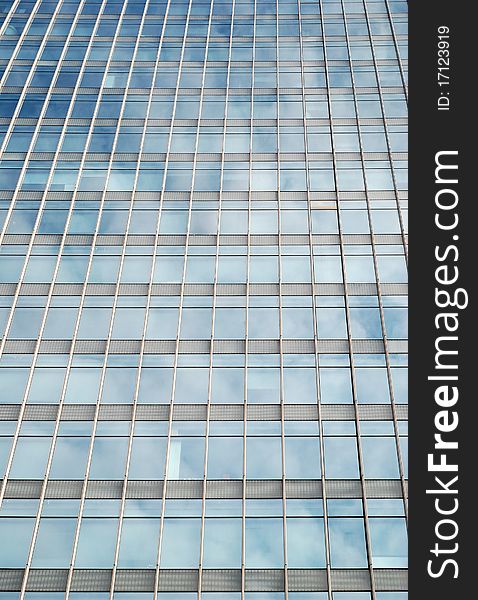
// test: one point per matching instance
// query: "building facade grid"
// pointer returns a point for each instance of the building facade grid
(203, 299)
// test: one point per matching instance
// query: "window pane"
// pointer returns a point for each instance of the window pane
(347, 543)
(388, 538)
(263, 385)
(119, 385)
(300, 386)
(372, 386)
(83, 386)
(264, 544)
(139, 543)
(225, 458)
(180, 546)
(46, 386)
(54, 543)
(380, 458)
(12, 385)
(69, 458)
(341, 461)
(227, 386)
(302, 458)
(148, 455)
(191, 386)
(335, 386)
(109, 456)
(186, 458)
(29, 460)
(264, 458)
(19, 533)
(155, 386)
(222, 543)
(305, 543)
(96, 544)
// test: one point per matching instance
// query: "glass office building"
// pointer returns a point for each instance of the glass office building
(203, 299)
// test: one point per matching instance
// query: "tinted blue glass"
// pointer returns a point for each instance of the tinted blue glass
(180, 547)
(54, 543)
(389, 543)
(30, 458)
(264, 543)
(305, 543)
(139, 543)
(19, 532)
(96, 543)
(222, 543)
(108, 458)
(347, 543)
(232, 183)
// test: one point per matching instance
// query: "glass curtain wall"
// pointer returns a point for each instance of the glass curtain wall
(203, 310)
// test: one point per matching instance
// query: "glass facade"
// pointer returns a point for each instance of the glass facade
(203, 299)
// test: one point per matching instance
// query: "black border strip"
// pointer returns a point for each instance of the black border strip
(433, 131)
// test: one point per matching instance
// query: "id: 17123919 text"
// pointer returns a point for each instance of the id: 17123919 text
(443, 67)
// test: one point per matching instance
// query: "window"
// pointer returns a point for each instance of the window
(263, 385)
(119, 385)
(263, 458)
(54, 543)
(305, 543)
(26, 323)
(46, 386)
(109, 457)
(60, 323)
(263, 323)
(180, 546)
(186, 458)
(264, 543)
(128, 323)
(96, 543)
(230, 323)
(380, 458)
(139, 543)
(196, 323)
(83, 385)
(30, 458)
(300, 385)
(19, 532)
(388, 539)
(335, 386)
(365, 323)
(331, 323)
(148, 455)
(222, 543)
(94, 323)
(155, 385)
(341, 460)
(396, 325)
(302, 458)
(225, 458)
(347, 543)
(191, 385)
(69, 458)
(372, 386)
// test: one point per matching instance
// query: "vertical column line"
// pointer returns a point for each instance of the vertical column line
(248, 292)
(347, 316)
(281, 332)
(176, 352)
(314, 309)
(211, 348)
